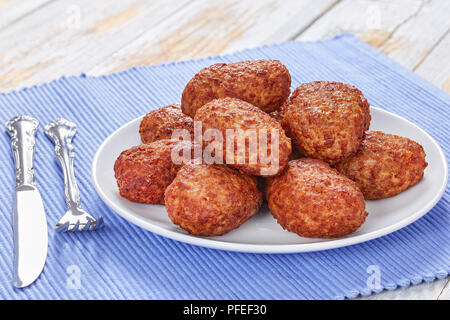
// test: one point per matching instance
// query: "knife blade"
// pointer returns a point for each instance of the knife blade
(29, 220)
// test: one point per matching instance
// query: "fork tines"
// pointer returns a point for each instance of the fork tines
(91, 225)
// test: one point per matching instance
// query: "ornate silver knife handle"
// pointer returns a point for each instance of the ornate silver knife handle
(22, 130)
(61, 132)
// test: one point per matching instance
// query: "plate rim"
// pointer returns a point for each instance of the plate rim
(271, 248)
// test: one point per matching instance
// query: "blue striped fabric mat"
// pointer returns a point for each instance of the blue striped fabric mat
(124, 261)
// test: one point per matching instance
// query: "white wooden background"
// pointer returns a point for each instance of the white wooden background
(41, 40)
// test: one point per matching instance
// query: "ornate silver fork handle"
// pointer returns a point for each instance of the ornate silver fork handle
(61, 132)
(22, 130)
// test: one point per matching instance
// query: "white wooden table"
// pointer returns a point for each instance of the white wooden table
(41, 40)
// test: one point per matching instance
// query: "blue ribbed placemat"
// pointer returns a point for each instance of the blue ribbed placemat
(124, 261)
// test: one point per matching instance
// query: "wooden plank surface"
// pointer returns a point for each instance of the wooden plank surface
(445, 292)
(436, 66)
(424, 291)
(372, 21)
(209, 28)
(41, 40)
(65, 39)
(12, 11)
(405, 30)
(416, 37)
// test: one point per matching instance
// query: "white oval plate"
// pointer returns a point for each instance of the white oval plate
(262, 233)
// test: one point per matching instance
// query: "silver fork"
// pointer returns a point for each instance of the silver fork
(61, 132)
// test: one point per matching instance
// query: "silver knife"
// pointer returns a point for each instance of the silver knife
(29, 221)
